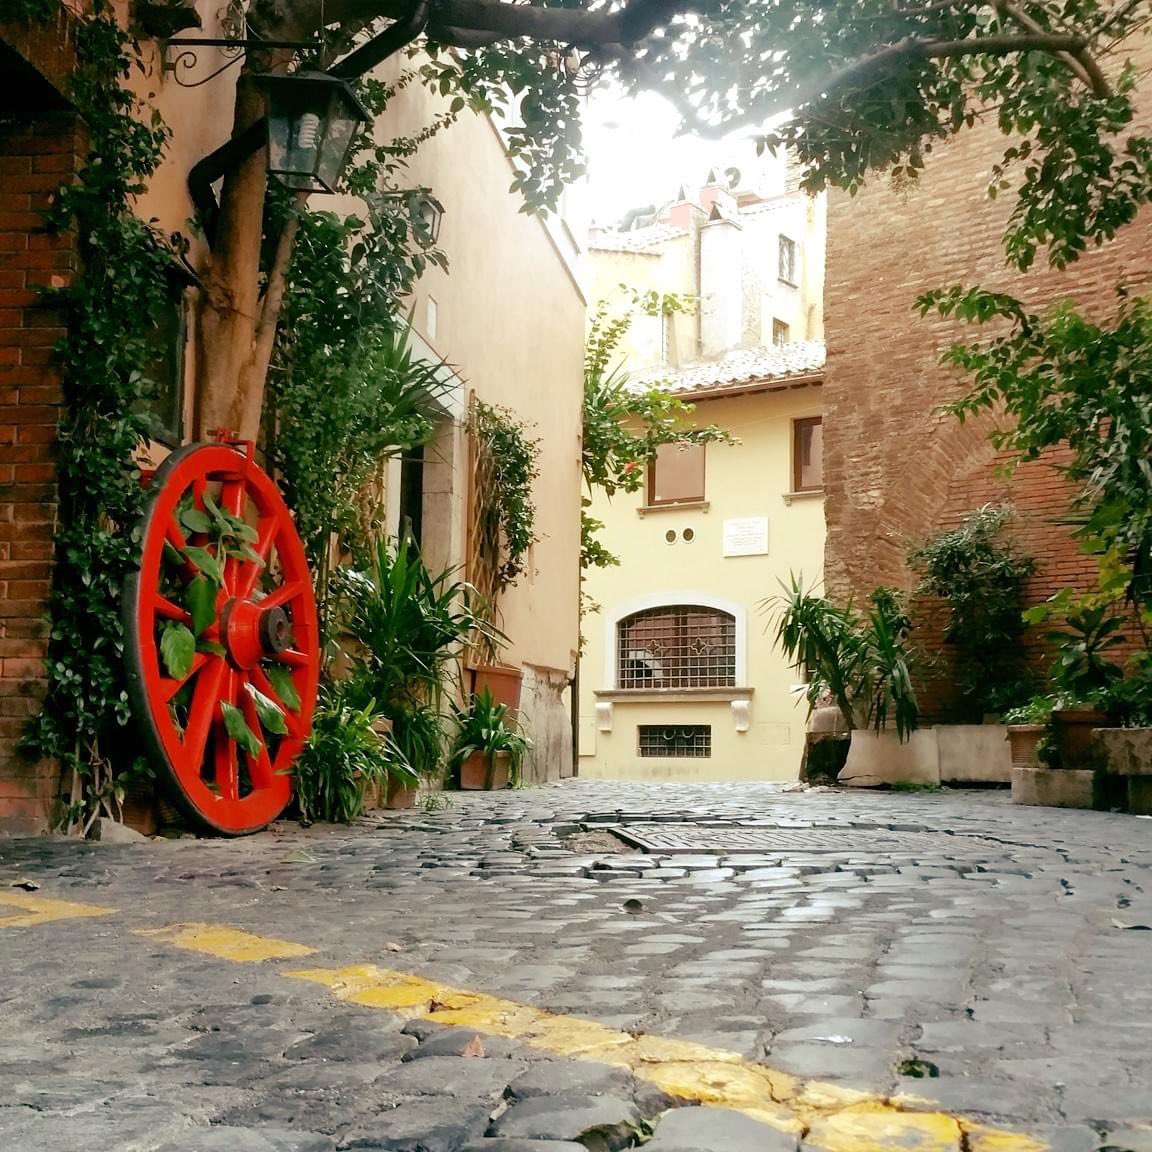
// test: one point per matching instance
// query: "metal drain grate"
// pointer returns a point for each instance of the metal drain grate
(688, 838)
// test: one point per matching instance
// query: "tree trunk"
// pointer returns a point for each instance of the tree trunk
(228, 396)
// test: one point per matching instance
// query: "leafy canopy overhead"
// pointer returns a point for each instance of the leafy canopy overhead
(868, 85)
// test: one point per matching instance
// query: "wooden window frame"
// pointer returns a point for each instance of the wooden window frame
(685, 501)
(798, 424)
(780, 328)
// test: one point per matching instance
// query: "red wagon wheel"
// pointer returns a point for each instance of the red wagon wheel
(222, 642)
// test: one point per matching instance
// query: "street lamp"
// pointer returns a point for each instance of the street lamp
(423, 209)
(313, 119)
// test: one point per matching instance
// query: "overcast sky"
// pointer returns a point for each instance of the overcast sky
(635, 156)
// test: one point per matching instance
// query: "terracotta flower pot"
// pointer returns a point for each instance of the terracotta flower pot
(400, 793)
(502, 681)
(1072, 728)
(1024, 740)
(474, 772)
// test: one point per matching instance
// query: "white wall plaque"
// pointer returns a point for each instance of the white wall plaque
(746, 536)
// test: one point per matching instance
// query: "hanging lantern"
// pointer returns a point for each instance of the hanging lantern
(313, 120)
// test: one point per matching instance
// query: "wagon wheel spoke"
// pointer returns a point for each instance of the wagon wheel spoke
(225, 755)
(293, 657)
(170, 610)
(259, 766)
(200, 713)
(170, 686)
(250, 571)
(285, 594)
(174, 534)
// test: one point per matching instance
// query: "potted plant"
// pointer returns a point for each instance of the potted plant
(417, 744)
(1083, 677)
(858, 661)
(342, 759)
(488, 747)
(1027, 727)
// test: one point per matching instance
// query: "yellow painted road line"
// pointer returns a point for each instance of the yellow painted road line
(41, 910)
(226, 943)
(831, 1117)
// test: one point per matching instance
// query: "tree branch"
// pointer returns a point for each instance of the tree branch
(1078, 62)
(579, 27)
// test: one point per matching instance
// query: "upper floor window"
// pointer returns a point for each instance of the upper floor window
(787, 271)
(678, 646)
(676, 476)
(779, 332)
(808, 454)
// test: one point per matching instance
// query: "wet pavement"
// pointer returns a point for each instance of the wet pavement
(873, 964)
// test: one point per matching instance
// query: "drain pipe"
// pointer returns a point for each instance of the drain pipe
(388, 43)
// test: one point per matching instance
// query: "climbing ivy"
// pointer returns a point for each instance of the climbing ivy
(109, 311)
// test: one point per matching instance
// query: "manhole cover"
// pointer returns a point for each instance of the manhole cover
(729, 841)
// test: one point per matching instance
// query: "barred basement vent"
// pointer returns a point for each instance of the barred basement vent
(693, 741)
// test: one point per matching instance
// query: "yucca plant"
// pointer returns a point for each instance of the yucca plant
(407, 626)
(860, 662)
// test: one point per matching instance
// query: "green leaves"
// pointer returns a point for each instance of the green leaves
(206, 562)
(508, 514)
(267, 711)
(177, 650)
(200, 600)
(281, 680)
(237, 728)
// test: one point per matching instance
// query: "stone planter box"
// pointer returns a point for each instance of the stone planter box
(974, 753)
(1123, 760)
(946, 753)
(878, 758)
(1054, 787)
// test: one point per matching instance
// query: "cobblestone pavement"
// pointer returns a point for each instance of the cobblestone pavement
(909, 953)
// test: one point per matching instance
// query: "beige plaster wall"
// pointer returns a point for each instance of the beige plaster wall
(750, 479)
(510, 321)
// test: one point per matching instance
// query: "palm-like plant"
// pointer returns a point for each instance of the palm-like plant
(407, 625)
(859, 662)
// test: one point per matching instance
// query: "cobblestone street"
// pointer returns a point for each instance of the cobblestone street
(915, 970)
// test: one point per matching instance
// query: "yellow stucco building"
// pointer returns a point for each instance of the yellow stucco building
(680, 678)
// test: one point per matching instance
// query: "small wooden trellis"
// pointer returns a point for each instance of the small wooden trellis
(482, 567)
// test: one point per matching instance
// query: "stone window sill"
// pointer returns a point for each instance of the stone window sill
(810, 494)
(683, 506)
(673, 695)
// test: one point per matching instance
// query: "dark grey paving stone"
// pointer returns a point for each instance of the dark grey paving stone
(458, 1076)
(438, 1125)
(1127, 1139)
(716, 1130)
(353, 1041)
(221, 1138)
(499, 1144)
(571, 1077)
(613, 1122)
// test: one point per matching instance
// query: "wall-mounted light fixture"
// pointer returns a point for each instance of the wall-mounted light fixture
(313, 119)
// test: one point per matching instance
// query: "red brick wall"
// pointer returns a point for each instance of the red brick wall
(896, 470)
(35, 158)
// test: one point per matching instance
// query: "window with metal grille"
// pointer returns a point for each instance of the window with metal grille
(680, 646)
(692, 741)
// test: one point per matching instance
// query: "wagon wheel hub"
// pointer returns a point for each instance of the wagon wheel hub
(252, 632)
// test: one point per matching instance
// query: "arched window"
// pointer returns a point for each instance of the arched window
(677, 646)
